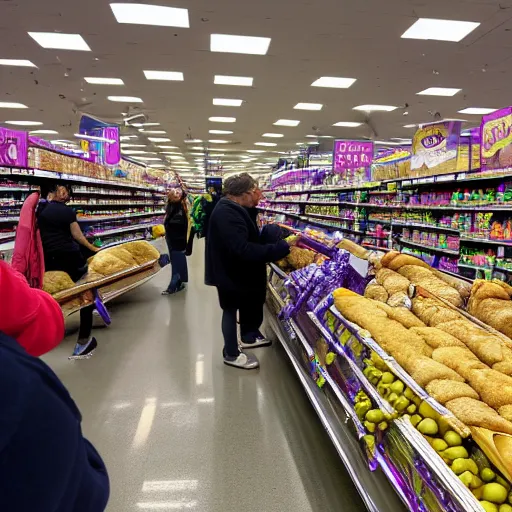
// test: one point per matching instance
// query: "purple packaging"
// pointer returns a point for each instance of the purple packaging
(13, 148)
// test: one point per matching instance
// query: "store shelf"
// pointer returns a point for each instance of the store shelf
(134, 204)
(90, 220)
(6, 246)
(15, 189)
(486, 241)
(501, 269)
(376, 247)
(119, 230)
(119, 242)
(428, 248)
(425, 226)
(9, 219)
(374, 488)
(473, 267)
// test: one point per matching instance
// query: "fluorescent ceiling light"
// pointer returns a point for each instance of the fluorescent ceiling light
(220, 119)
(144, 14)
(159, 139)
(43, 132)
(94, 138)
(25, 123)
(244, 81)
(171, 153)
(128, 137)
(439, 91)
(308, 106)
(192, 141)
(477, 111)
(103, 81)
(300, 143)
(217, 149)
(125, 99)
(334, 82)
(265, 144)
(10, 104)
(273, 135)
(199, 148)
(149, 158)
(125, 145)
(386, 143)
(239, 44)
(219, 141)
(256, 151)
(224, 102)
(439, 30)
(168, 147)
(17, 62)
(156, 132)
(58, 41)
(373, 108)
(220, 132)
(410, 126)
(133, 151)
(286, 122)
(176, 76)
(346, 124)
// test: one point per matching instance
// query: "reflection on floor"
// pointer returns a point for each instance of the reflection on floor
(180, 431)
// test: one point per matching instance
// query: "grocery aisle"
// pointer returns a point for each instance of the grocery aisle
(179, 430)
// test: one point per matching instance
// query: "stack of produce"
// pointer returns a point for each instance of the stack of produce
(105, 263)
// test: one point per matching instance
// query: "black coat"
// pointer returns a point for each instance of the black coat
(235, 256)
(176, 227)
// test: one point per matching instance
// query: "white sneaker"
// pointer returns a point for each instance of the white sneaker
(245, 361)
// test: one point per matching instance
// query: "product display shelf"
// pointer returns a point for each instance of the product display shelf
(428, 248)
(341, 424)
(100, 234)
(91, 220)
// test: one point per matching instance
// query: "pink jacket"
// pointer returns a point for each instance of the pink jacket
(28, 257)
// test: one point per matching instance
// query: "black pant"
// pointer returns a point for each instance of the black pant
(250, 308)
(74, 263)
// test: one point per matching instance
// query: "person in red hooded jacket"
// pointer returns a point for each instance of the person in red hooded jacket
(46, 465)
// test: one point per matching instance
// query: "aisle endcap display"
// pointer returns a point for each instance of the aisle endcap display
(425, 448)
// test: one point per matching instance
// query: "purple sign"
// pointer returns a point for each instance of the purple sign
(13, 148)
(352, 154)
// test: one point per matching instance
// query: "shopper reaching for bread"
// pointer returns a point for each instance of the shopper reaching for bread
(66, 249)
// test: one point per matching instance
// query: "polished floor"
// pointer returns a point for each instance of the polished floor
(180, 431)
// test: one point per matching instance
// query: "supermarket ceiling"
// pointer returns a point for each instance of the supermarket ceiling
(359, 39)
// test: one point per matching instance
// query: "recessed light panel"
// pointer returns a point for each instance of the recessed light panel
(133, 151)
(126, 145)
(410, 125)
(125, 99)
(440, 30)
(243, 81)
(103, 81)
(439, 91)
(308, 106)
(375, 108)
(477, 111)
(219, 141)
(145, 14)
(25, 123)
(43, 132)
(58, 41)
(224, 102)
(273, 135)
(256, 151)
(17, 62)
(220, 132)
(155, 132)
(164, 75)
(192, 141)
(347, 124)
(287, 122)
(239, 44)
(168, 147)
(159, 139)
(334, 82)
(269, 144)
(10, 104)
(220, 119)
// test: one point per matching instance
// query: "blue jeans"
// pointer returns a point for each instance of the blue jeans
(179, 270)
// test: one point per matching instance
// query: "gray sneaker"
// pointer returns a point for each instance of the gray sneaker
(260, 341)
(245, 361)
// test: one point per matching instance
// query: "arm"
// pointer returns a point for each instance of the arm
(30, 316)
(236, 238)
(77, 234)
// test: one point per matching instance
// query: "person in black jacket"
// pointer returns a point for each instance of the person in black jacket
(236, 264)
(176, 235)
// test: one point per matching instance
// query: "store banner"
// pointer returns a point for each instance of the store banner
(353, 159)
(435, 147)
(496, 140)
(13, 148)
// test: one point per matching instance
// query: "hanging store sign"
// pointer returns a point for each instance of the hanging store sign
(435, 148)
(496, 140)
(13, 148)
(352, 160)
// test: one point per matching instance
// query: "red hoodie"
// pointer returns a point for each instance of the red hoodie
(30, 316)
